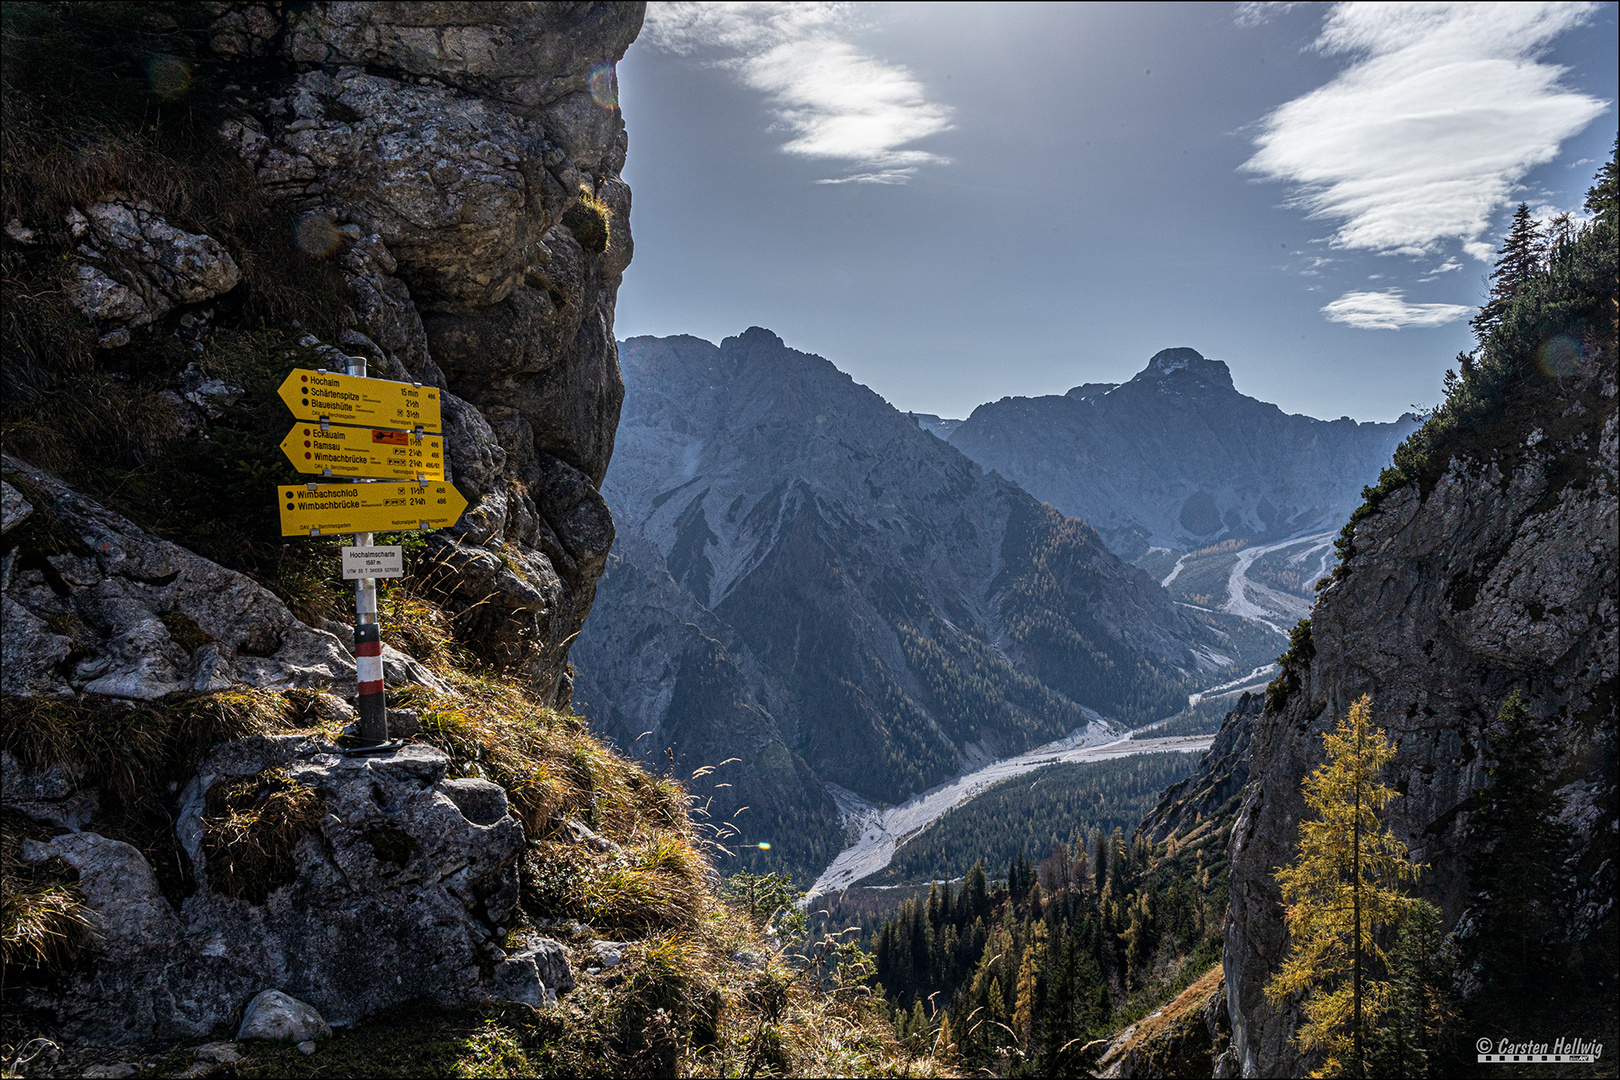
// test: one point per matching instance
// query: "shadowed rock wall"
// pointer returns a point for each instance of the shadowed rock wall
(470, 153)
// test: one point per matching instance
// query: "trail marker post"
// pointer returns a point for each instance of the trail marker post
(388, 431)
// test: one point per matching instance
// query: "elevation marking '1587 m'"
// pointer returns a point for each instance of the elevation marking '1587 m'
(360, 508)
(352, 399)
(364, 451)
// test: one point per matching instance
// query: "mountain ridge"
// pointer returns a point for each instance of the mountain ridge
(895, 610)
(1238, 468)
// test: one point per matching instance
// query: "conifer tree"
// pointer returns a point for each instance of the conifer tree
(945, 1040)
(976, 892)
(1341, 890)
(1026, 996)
(1603, 200)
(1518, 259)
(1420, 1015)
(1519, 851)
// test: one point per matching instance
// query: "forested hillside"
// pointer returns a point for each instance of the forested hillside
(1075, 946)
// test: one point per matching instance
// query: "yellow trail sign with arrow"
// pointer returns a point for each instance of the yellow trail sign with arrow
(354, 399)
(355, 508)
(357, 451)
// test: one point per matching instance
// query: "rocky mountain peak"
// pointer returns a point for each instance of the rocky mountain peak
(1178, 458)
(754, 337)
(1186, 364)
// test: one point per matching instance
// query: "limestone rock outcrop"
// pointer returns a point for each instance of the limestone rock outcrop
(458, 164)
(383, 890)
(93, 604)
(466, 158)
(1500, 577)
(136, 267)
(1210, 793)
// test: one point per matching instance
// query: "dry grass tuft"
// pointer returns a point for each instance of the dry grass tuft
(128, 749)
(250, 827)
(44, 927)
(590, 220)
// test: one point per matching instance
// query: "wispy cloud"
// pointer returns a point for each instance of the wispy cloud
(1250, 14)
(1442, 110)
(1389, 310)
(833, 100)
(1444, 268)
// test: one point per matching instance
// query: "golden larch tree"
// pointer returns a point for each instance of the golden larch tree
(1342, 888)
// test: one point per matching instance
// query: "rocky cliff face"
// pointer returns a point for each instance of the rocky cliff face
(454, 168)
(459, 164)
(1177, 458)
(1497, 575)
(478, 149)
(824, 589)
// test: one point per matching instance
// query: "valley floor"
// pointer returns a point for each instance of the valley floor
(884, 829)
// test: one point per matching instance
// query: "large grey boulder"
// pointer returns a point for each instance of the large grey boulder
(393, 893)
(274, 1015)
(136, 267)
(133, 922)
(534, 975)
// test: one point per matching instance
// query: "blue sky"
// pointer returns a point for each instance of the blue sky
(955, 203)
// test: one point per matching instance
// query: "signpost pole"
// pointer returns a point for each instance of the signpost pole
(368, 669)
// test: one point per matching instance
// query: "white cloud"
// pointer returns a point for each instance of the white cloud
(1442, 110)
(1388, 310)
(1251, 14)
(1546, 213)
(833, 100)
(1447, 267)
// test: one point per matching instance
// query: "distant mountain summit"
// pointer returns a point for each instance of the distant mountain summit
(1177, 458)
(808, 580)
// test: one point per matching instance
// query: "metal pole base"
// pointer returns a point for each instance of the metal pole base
(376, 748)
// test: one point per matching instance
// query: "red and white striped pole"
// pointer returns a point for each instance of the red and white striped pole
(368, 669)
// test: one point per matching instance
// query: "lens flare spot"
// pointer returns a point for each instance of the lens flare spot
(604, 85)
(764, 845)
(169, 77)
(1560, 356)
(316, 235)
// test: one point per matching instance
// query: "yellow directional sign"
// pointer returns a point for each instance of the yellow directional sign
(358, 451)
(383, 507)
(350, 399)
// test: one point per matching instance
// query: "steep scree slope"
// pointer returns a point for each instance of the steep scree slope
(1176, 457)
(858, 601)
